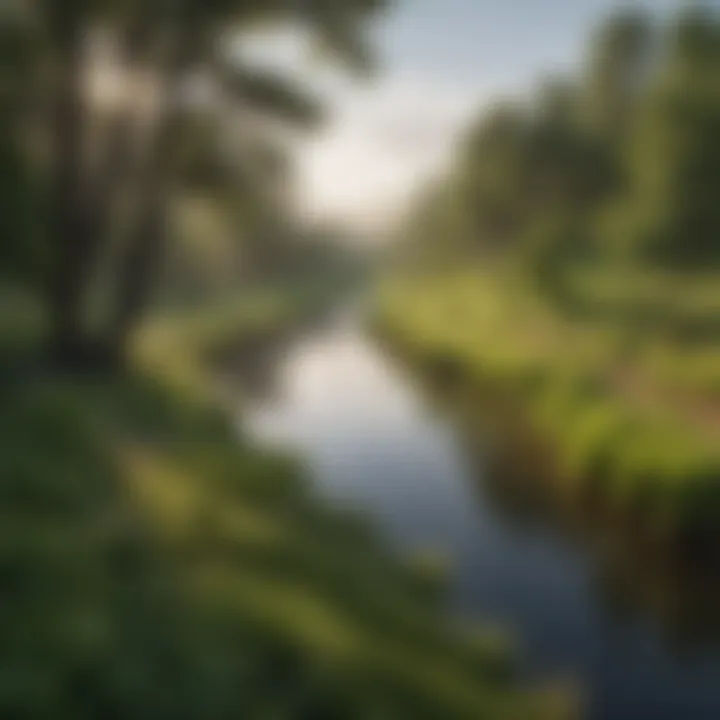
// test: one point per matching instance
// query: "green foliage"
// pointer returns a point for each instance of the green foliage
(154, 565)
(632, 423)
(625, 155)
(593, 207)
(91, 189)
(616, 72)
(669, 215)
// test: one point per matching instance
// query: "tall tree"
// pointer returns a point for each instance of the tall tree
(127, 154)
(670, 212)
(618, 67)
(21, 251)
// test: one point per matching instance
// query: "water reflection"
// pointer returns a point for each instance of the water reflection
(254, 365)
(677, 586)
(587, 597)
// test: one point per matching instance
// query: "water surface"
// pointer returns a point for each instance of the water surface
(372, 441)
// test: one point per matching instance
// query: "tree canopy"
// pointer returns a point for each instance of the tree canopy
(112, 105)
(620, 160)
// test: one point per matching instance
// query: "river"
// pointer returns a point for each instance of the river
(634, 639)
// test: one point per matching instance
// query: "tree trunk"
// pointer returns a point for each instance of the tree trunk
(138, 275)
(65, 291)
(83, 201)
(145, 251)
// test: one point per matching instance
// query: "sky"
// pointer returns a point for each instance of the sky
(441, 61)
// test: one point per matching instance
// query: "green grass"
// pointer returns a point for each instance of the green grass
(623, 408)
(155, 565)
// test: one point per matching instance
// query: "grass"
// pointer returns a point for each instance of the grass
(622, 406)
(155, 565)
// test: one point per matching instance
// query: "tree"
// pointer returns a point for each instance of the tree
(488, 186)
(521, 170)
(113, 169)
(618, 68)
(226, 218)
(21, 252)
(624, 156)
(670, 213)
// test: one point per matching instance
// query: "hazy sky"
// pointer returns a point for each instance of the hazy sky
(442, 61)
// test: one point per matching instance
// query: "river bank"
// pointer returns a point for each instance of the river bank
(578, 398)
(176, 570)
(632, 631)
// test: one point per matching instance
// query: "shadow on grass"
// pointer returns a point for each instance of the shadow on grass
(155, 565)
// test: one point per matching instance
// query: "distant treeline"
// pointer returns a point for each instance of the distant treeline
(621, 160)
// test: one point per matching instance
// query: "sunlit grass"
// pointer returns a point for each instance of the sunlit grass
(627, 407)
